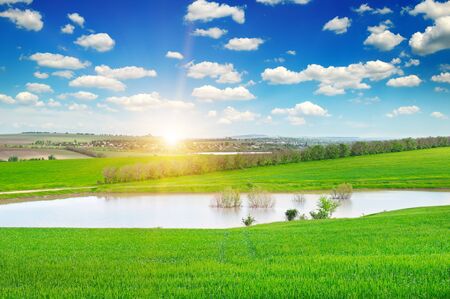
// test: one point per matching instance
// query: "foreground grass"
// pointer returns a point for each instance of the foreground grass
(390, 255)
(414, 169)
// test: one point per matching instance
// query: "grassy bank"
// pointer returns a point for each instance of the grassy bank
(413, 169)
(400, 254)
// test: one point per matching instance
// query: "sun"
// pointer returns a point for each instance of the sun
(171, 138)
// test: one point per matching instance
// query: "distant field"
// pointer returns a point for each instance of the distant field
(31, 153)
(24, 139)
(402, 254)
(414, 169)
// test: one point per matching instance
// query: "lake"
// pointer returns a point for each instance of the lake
(192, 210)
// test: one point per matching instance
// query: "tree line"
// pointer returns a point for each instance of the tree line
(199, 164)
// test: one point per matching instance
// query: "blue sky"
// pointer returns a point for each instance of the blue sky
(210, 69)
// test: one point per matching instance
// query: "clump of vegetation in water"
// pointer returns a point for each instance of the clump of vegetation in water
(342, 191)
(248, 221)
(51, 157)
(299, 197)
(325, 208)
(228, 198)
(258, 198)
(291, 214)
(13, 159)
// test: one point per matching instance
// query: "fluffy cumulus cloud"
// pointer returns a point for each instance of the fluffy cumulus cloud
(213, 32)
(223, 73)
(381, 38)
(6, 99)
(24, 19)
(9, 2)
(58, 61)
(365, 8)
(244, 44)
(338, 25)
(146, 101)
(80, 95)
(98, 82)
(211, 93)
(441, 78)
(76, 18)
(100, 42)
(275, 2)
(435, 38)
(438, 115)
(38, 88)
(404, 110)
(27, 98)
(78, 107)
(406, 81)
(174, 55)
(202, 10)
(306, 109)
(67, 29)
(431, 9)
(124, 73)
(333, 80)
(63, 74)
(53, 104)
(412, 62)
(40, 75)
(230, 115)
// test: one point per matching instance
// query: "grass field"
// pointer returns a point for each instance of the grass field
(414, 169)
(402, 254)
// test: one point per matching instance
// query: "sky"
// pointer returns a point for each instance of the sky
(354, 68)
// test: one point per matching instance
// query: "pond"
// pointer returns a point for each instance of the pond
(192, 210)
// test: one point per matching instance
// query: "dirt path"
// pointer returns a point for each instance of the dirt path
(44, 190)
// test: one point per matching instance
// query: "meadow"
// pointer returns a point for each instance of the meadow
(412, 169)
(401, 254)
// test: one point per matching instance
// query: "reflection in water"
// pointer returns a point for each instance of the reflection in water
(193, 210)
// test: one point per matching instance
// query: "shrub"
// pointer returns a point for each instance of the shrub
(291, 214)
(342, 191)
(248, 221)
(228, 198)
(13, 159)
(326, 208)
(258, 198)
(299, 197)
(51, 157)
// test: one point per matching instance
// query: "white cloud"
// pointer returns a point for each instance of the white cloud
(212, 113)
(24, 19)
(98, 82)
(296, 120)
(106, 107)
(406, 81)
(76, 18)
(306, 109)
(27, 98)
(244, 44)
(291, 52)
(63, 74)
(213, 32)
(100, 42)
(67, 29)
(363, 8)
(275, 2)
(224, 73)
(38, 88)
(434, 39)
(438, 115)
(404, 110)
(78, 107)
(80, 95)
(441, 78)
(174, 55)
(412, 62)
(52, 103)
(211, 93)
(338, 25)
(333, 80)
(230, 115)
(432, 9)
(383, 11)
(124, 73)
(145, 101)
(58, 61)
(202, 10)
(9, 2)
(440, 89)
(40, 75)
(383, 39)
(6, 99)
(396, 60)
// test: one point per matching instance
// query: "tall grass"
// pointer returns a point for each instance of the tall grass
(228, 198)
(258, 198)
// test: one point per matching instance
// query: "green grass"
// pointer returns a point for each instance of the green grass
(414, 169)
(402, 254)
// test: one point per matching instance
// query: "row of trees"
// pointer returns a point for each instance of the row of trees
(191, 165)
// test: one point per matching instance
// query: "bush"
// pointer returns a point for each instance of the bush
(51, 157)
(299, 197)
(258, 198)
(326, 208)
(342, 191)
(13, 159)
(248, 221)
(228, 198)
(291, 214)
